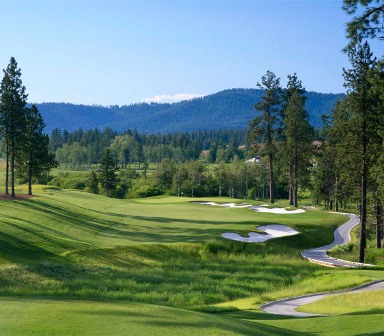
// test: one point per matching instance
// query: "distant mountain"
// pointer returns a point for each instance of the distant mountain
(229, 109)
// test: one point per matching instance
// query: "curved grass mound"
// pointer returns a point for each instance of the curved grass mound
(67, 245)
(19, 317)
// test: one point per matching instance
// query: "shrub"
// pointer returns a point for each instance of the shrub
(144, 191)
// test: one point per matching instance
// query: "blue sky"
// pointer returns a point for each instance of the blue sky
(122, 52)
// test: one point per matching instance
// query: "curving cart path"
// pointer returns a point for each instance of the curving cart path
(341, 236)
(319, 255)
(288, 306)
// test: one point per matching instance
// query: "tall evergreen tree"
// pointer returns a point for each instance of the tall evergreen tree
(359, 120)
(34, 159)
(12, 117)
(265, 125)
(298, 141)
(294, 86)
(367, 21)
(107, 172)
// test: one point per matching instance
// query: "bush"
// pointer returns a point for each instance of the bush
(144, 191)
(70, 181)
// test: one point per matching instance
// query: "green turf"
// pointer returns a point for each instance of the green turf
(357, 324)
(47, 317)
(66, 245)
(365, 302)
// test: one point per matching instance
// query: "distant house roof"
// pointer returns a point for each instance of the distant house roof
(253, 160)
(205, 152)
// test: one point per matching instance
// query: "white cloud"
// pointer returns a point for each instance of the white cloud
(172, 98)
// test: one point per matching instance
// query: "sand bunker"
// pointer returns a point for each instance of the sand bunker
(272, 231)
(258, 208)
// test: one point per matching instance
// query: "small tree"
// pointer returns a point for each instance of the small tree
(107, 172)
(145, 170)
(34, 159)
(93, 183)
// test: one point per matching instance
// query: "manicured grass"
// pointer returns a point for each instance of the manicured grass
(346, 325)
(323, 280)
(369, 302)
(66, 245)
(46, 317)
(350, 251)
(164, 250)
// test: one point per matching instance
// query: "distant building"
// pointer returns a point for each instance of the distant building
(253, 160)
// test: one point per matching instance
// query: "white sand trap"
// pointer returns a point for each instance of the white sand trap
(258, 208)
(273, 231)
(226, 205)
(281, 211)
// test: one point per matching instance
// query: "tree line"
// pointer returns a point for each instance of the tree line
(351, 159)
(81, 148)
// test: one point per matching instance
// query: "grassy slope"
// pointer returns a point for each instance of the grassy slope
(162, 250)
(348, 303)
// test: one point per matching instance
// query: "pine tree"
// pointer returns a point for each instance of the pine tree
(12, 118)
(93, 183)
(107, 172)
(265, 125)
(367, 21)
(34, 159)
(357, 121)
(298, 141)
(294, 86)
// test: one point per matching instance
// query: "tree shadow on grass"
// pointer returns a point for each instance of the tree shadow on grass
(206, 323)
(15, 249)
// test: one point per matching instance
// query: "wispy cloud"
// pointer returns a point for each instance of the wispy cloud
(172, 98)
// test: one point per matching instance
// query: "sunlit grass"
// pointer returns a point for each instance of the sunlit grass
(163, 250)
(371, 301)
(78, 318)
(67, 245)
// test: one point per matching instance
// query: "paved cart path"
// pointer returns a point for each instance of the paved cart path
(288, 306)
(319, 255)
(341, 236)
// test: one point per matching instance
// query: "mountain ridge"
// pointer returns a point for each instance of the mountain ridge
(227, 109)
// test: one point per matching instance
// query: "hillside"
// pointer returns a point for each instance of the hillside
(158, 266)
(229, 109)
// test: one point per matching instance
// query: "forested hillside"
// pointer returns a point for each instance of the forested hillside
(229, 109)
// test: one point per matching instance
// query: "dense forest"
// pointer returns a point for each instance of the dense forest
(229, 109)
(81, 148)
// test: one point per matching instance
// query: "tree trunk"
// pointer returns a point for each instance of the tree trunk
(363, 214)
(363, 211)
(246, 187)
(379, 222)
(29, 180)
(13, 168)
(7, 170)
(271, 184)
(295, 186)
(290, 188)
(336, 200)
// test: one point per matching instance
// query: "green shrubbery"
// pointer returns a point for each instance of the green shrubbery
(70, 181)
(145, 190)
